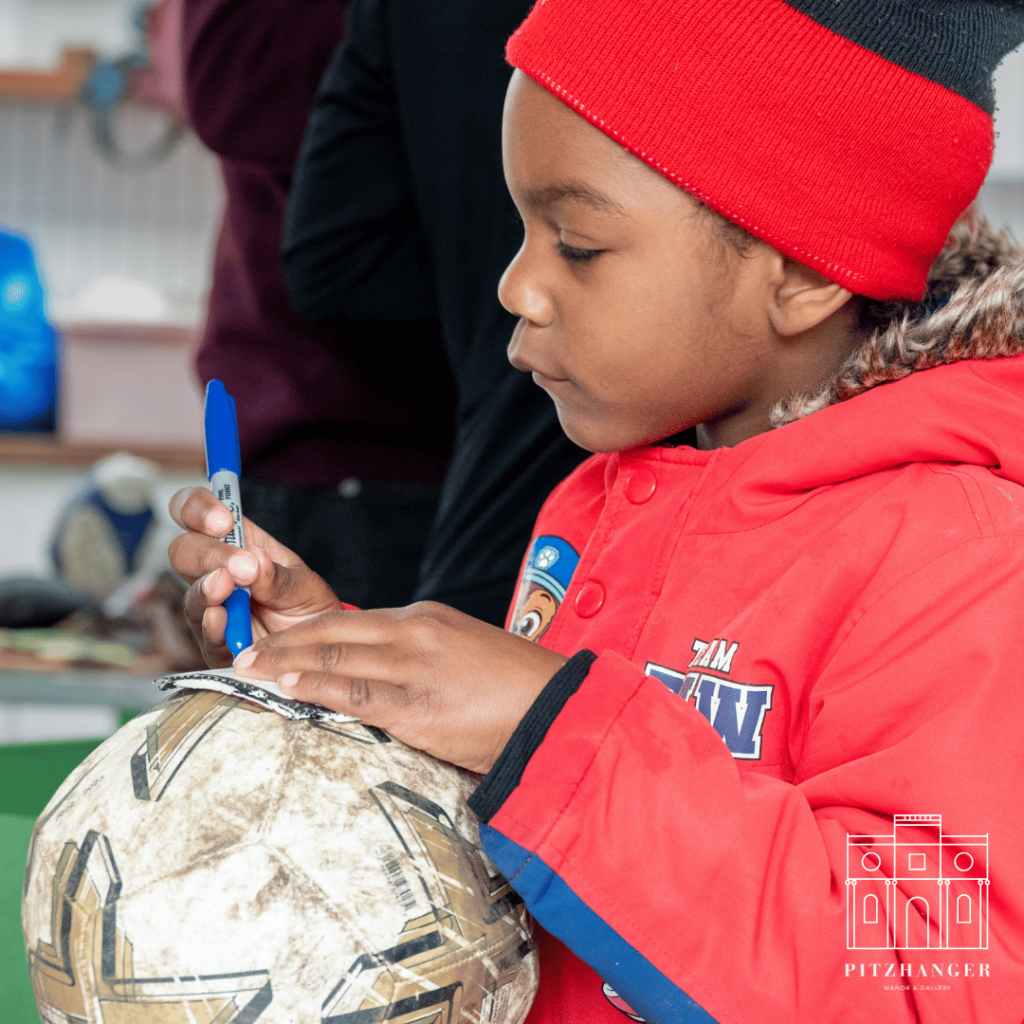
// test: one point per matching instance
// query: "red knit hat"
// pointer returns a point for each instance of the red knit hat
(849, 136)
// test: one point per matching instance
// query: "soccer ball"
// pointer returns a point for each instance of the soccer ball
(215, 862)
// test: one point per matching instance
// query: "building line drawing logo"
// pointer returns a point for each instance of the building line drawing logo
(917, 888)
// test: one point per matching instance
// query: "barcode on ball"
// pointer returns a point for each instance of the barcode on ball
(400, 883)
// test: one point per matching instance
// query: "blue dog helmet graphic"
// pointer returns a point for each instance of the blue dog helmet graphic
(546, 578)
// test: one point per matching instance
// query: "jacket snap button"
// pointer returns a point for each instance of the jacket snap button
(640, 485)
(589, 599)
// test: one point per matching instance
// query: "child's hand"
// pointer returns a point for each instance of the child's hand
(282, 589)
(431, 676)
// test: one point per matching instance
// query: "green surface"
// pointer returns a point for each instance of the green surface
(31, 772)
(125, 715)
(18, 1003)
(29, 775)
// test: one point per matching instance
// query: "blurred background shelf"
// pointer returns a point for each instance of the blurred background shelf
(62, 84)
(119, 691)
(30, 450)
(123, 387)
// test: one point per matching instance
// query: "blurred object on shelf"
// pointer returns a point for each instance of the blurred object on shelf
(104, 535)
(145, 634)
(107, 544)
(28, 602)
(149, 71)
(131, 387)
(28, 344)
(114, 298)
(41, 648)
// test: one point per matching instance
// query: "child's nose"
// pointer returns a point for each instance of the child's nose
(519, 291)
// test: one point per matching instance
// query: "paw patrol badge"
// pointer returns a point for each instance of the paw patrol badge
(547, 576)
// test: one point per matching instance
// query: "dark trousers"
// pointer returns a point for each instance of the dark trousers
(365, 537)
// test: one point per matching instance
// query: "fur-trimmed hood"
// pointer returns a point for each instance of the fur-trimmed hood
(953, 370)
(973, 309)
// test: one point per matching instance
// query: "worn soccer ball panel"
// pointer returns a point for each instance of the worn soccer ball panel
(214, 862)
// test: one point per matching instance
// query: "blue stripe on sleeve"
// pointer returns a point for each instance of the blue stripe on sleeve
(570, 920)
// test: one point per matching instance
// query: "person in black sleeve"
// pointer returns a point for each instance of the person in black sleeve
(345, 429)
(399, 178)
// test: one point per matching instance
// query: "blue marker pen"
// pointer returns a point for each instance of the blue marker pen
(223, 466)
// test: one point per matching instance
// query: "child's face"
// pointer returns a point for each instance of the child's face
(632, 316)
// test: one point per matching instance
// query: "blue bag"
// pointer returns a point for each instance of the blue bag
(28, 344)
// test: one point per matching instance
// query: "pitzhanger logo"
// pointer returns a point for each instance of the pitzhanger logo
(736, 710)
(917, 888)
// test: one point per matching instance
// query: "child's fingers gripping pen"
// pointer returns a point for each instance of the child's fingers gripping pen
(223, 467)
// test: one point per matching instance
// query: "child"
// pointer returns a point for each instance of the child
(755, 766)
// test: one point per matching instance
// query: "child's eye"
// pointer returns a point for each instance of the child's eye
(574, 255)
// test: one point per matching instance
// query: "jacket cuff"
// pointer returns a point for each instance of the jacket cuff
(508, 770)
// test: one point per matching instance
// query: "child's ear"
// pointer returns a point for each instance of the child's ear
(803, 298)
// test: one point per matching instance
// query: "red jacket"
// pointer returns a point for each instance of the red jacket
(787, 790)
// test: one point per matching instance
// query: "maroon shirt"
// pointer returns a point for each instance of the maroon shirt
(315, 404)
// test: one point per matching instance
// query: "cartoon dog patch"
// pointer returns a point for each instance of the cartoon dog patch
(546, 578)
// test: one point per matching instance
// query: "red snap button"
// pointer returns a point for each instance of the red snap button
(589, 599)
(640, 485)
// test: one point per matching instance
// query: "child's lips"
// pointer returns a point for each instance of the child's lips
(545, 381)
